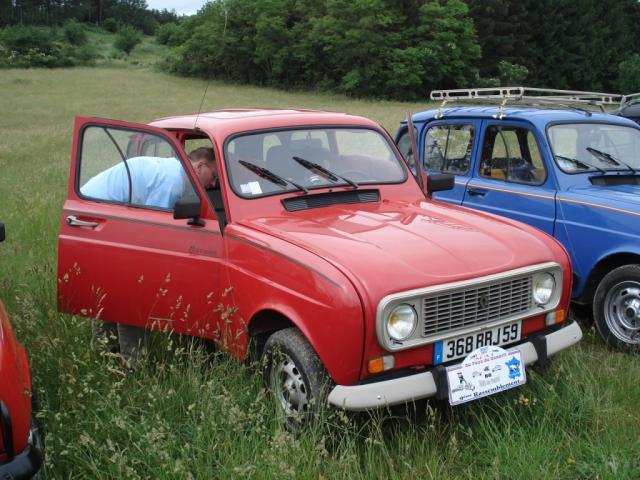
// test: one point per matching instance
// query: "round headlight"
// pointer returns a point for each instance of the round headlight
(401, 322)
(543, 287)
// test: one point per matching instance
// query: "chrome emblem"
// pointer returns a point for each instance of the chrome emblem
(483, 302)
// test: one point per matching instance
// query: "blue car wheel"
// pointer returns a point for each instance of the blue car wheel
(616, 308)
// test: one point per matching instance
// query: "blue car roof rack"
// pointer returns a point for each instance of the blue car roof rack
(526, 96)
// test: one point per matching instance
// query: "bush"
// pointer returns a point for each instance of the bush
(149, 25)
(32, 47)
(110, 25)
(629, 74)
(126, 39)
(21, 39)
(166, 33)
(512, 73)
(75, 33)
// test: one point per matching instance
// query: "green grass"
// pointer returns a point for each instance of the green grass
(182, 415)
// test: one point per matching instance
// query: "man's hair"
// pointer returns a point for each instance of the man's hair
(203, 153)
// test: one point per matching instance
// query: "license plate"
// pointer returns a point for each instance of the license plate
(486, 371)
(459, 347)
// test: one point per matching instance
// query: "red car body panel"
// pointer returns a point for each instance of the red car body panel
(324, 269)
(15, 387)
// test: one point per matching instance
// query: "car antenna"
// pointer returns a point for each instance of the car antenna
(224, 33)
(195, 124)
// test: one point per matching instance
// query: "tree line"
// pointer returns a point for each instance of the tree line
(381, 48)
(391, 49)
(56, 12)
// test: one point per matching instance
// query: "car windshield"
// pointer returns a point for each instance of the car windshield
(588, 147)
(281, 161)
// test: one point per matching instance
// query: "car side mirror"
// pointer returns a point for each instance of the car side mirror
(188, 207)
(439, 182)
(1, 232)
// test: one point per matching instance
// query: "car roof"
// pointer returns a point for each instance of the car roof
(540, 117)
(221, 123)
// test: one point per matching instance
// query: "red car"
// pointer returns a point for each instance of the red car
(318, 244)
(20, 441)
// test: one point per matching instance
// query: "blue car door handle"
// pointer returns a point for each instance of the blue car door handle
(476, 192)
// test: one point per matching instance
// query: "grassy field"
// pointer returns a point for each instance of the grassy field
(183, 415)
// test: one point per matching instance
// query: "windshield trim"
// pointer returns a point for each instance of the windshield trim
(383, 133)
(591, 171)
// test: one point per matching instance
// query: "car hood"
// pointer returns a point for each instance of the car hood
(624, 196)
(392, 246)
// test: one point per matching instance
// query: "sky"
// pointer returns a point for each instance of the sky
(184, 7)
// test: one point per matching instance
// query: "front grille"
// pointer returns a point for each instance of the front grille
(444, 312)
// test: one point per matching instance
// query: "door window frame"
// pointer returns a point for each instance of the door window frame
(448, 122)
(531, 129)
(137, 128)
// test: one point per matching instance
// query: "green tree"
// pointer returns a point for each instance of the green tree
(110, 25)
(629, 74)
(126, 39)
(501, 32)
(74, 32)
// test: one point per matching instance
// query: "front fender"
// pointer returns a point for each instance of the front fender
(591, 234)
(267, 273)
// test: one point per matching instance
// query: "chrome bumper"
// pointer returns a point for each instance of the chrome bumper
(423, 385)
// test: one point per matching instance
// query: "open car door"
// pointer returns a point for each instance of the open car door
(122, 257)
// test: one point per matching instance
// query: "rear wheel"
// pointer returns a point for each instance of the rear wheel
(616, 308)
(295, 376)
(36, 441)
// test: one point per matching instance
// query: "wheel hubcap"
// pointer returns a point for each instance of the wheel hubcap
(622, 311)
(289, 386)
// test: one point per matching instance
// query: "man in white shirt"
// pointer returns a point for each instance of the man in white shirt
(155, 182)
(151, 181)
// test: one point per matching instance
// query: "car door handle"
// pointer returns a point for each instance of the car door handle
(73, 221)
(475, 192)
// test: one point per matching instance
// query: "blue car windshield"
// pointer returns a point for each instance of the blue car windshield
(589, 147)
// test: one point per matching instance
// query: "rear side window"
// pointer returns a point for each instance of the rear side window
(447, 148)
(130, 167)
(511, 154)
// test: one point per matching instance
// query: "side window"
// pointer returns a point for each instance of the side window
(447, 148)
(512, 154)
(133, 168)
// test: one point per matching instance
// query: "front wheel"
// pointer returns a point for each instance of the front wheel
(295, 376)
(616, 308)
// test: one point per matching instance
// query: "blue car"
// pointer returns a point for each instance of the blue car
(571, 172)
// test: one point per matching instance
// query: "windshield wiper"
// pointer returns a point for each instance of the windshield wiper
(269, 175)
(314, 167)
(581, 163)
(608, 158)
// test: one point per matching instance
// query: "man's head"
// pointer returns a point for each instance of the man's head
(204, 164)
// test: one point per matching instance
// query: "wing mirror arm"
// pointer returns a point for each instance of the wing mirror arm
(189, 208)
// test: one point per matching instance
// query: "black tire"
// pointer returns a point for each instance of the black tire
(36, 440)
(295, 377)
(616, 308)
